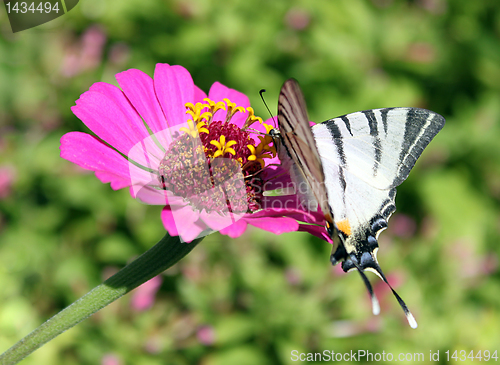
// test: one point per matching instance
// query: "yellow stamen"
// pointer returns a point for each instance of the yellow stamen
(265, 141)
(232, 109)
(262, 151)
(223, 147)
(213, 107)
(192, 130)
(251, 119)
(195, 112)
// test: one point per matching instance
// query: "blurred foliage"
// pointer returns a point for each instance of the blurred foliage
(254, 299)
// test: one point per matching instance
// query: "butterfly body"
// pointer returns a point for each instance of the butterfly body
(351, 166)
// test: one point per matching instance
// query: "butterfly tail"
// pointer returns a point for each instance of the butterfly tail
(411, 320)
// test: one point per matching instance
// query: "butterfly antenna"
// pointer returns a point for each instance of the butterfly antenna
(261, 92)
(375, 304)
(411, 320)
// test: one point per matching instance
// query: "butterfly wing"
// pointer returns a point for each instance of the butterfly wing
(298, 141)
(361, 158)
(365, 156)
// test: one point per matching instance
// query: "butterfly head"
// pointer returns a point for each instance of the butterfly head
(275, 133)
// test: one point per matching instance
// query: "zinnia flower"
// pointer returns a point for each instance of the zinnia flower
(208, 160)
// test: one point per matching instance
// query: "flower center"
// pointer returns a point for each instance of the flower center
(215, 165)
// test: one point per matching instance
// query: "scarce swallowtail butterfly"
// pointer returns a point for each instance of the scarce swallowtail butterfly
(350, 167)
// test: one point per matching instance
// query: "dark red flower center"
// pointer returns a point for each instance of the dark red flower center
(215, 165)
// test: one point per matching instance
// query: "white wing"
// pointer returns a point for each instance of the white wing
(365, 155)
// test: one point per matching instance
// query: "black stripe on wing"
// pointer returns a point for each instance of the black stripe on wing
(420, 128)
(339, 143)
(384, 113)
(347, 123)
(388, 206)
(372, 124)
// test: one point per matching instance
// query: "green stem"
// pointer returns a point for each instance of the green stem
(154, 261)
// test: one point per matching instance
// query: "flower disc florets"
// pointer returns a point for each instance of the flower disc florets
(214, 164)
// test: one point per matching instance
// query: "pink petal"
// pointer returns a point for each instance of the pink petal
(199, 95)
(107, 112)
(218, 221)
(273, 212)
(276, 176)
(276, 183)
(149, 195)
(276, 225)
(308, 217)
(275, 218)
(147, 153)
(183, 221)
(139, 89)
(117, 96)
(168, 221)
(88, 152)
(317, 231)
(174, 88)
(189, 232)
(284, 217)
(116, 182)
(236, 229)
(218, 92)
(285, 202)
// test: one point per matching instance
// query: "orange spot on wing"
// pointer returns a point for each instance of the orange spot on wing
(344, 226)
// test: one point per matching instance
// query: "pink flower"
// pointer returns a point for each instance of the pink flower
(403, 226)
(206, 335)
(111, 359)
(7, 178)
(86, 54)
(194, 154)
(297, 19)
(144, 295)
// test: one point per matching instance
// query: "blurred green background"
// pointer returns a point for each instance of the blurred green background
(254, 299)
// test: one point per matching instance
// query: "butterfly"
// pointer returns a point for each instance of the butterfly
(349, 167)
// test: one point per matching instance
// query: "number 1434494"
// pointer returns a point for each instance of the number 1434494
(462, 355)
(24, 7)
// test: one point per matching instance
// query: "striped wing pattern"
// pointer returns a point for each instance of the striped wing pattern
(365, 156)
(298, 141)
(352, 165)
